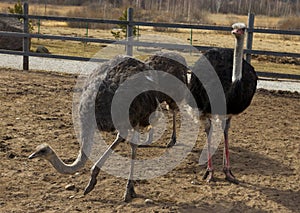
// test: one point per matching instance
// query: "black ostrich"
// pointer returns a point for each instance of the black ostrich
(172, 63)
(238, 79)
(95, 109)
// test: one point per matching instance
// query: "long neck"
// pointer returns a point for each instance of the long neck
(63, 168)
(86, 137)
(238, 59)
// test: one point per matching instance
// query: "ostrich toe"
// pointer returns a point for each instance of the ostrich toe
(209, 176)
(229, 176)
(130, 193)
(90, 186)
(172, 142)
(93, 181)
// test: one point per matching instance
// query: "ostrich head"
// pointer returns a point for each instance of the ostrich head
(46, 152)
(238, 29)
(43, 151)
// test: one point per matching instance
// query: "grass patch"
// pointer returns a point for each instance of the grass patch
(70, 48)
(289, 23)
(266, 66)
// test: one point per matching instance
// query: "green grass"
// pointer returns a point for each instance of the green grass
(264, 66)
(70, 48)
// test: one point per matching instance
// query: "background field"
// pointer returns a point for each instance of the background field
(269, 42)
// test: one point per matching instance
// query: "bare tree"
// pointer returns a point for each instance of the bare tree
(141, 4)
(218, 5)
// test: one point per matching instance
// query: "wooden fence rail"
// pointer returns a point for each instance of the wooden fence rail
(129, 42)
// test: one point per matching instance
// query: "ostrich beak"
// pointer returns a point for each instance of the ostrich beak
(238, 32)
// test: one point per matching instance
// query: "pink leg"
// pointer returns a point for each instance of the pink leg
(229, 176)
(226, 150)
(209, 174)
(173, 138)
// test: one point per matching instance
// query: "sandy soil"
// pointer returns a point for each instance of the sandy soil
(36, 107)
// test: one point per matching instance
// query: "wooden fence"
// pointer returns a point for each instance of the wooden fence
(129, 42)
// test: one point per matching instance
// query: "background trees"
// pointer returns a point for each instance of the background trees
(261, 7)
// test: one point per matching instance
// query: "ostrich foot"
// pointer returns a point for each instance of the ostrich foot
(90, 186)
(172, 142)
(147, 143)
(229, 176)
(130, 193)
(209, 176)
(92, 182)
(149, 138)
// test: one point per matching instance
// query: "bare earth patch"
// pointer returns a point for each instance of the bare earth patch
(36, 107)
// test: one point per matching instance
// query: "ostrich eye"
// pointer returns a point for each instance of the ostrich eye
(43, 151)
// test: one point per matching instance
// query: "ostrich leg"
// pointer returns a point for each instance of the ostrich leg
(97, 166)
(173, 138)
(150, 137)
(229, 176)
(130, 193)
(209, 174)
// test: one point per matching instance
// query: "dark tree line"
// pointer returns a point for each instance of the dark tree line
(188, 7)
(263, 7)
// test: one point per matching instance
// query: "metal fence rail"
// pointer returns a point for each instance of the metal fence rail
(129, 43)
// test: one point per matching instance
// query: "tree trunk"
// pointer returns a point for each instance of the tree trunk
(142, 4)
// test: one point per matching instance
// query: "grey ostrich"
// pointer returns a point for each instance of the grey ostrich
(141, 109)
(86, 126)
(238, 79)
(95, 108)
(172, 63)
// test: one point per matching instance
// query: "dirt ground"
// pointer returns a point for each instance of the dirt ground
(36, 107)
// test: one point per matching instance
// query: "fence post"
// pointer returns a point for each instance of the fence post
(191, 40)
(26, 38)
(129, 47)
(251, 17)
(39, 27)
